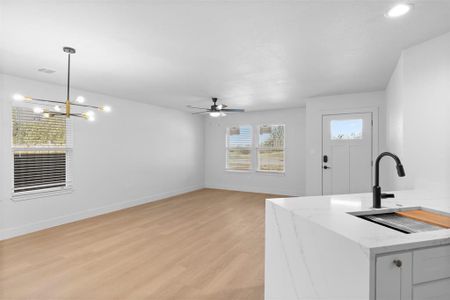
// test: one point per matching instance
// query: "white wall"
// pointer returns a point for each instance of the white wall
(137, 153)
(418, 115)
(290, 183)
(316, 108)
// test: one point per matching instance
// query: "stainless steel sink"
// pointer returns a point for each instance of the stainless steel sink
(389, 218)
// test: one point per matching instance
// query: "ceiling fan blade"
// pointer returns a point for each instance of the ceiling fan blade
(201, 112)
(233, 110)
(196, 107)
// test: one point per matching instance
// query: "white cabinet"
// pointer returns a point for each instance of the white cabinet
(418, 274)
(393, 277)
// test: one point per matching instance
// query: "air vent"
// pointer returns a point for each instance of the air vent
(46, 71)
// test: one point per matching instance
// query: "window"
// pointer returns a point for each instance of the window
(239, 148)
(271, 149)
(41, 152)
(346, 129)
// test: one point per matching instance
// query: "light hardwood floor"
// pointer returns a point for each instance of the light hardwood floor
(208, 244)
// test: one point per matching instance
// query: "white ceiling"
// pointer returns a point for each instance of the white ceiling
(252, 54)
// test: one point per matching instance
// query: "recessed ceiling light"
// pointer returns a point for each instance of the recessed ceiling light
(399, 10)
(47, 71)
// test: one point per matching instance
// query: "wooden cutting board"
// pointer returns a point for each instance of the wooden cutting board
(427, 217)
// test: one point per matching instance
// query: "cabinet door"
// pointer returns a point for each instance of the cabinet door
(394, 277)
(434, 290)
(431, 264)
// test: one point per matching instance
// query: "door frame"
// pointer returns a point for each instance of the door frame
(375, 130)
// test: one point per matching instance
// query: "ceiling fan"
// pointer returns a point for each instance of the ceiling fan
(216, 110)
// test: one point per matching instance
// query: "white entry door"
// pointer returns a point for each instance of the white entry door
(347, 153)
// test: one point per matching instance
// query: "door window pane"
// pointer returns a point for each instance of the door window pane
(346, 129)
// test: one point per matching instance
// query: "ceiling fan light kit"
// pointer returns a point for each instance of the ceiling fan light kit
(216, 110)
(56, 107)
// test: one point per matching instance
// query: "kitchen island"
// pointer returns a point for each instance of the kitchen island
(317, 249)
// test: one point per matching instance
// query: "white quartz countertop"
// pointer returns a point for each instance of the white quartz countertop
(331, 212)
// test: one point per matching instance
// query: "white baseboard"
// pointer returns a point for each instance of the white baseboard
(44, 224)
(254, 189)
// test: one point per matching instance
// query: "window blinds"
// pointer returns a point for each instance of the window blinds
(239, 143)
(41, 151)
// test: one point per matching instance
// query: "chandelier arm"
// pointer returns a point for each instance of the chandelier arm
(58, 113)
(86, 105)
(47, 100)
(77, 115)
(63, 102)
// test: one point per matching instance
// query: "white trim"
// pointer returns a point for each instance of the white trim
(48, 192)
(56, 221)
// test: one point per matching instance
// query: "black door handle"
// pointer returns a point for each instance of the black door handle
(326, 167)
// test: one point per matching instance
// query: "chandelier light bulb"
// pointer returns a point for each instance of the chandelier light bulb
(80, 99)
(57, 108)
(18, 97)
(46, 115)
(38, 110)
(106, 108)
(222, 114)
(89, 115)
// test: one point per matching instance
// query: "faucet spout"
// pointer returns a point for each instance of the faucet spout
(377, 194)
(400, 170)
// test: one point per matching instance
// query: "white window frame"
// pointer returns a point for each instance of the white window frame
(250, 148)
(51, 191)
(258, 148)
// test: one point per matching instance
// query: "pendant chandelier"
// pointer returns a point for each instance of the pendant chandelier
(54, 107)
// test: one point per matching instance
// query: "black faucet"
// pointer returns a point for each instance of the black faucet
(377, 194)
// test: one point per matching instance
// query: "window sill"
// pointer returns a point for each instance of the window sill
(238, 171)
(275, 173)
(40, 194)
